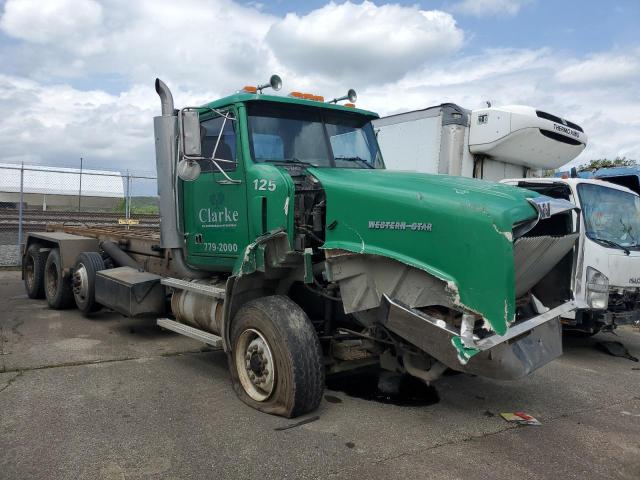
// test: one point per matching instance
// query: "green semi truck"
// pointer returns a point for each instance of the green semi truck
(284, 241)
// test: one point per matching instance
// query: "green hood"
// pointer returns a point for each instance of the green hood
(458, 229)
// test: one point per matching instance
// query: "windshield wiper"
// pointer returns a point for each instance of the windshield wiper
(612, 244)
(290, 160)
(355, 159)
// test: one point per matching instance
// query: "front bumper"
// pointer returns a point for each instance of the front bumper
(525, 347)
(619, 318)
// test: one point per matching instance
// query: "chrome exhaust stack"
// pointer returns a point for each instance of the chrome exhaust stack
(166, 138)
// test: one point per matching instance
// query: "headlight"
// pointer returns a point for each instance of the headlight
(597, 289)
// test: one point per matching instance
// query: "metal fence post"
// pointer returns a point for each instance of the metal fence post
(127, 203)
(20, 208)
(80, 188)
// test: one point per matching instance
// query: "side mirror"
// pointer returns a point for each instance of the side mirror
(190, 131)
(188, 170)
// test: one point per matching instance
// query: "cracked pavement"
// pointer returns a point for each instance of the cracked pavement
(114, 398)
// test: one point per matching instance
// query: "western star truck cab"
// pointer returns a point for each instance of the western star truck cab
(286, 242)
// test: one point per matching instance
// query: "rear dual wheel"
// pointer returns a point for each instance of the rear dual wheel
(57, 288)
(83, 281)
(33, 270)
(276, 358)
(60, 290)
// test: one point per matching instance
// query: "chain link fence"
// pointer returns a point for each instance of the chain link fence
(32, 196)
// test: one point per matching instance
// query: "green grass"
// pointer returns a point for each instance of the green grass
(141, 206)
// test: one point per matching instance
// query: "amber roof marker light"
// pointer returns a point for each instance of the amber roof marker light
(351, 96)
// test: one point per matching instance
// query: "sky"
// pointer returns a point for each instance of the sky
(76, 76)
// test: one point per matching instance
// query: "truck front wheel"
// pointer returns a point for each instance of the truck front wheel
(56, 288)
(33, 270)
(276, 358)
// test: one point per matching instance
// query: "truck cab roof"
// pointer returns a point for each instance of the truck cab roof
(244, 97)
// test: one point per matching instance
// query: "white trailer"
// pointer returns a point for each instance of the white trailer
(514, 144)
(491, 143)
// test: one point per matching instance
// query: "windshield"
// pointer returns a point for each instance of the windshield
(308, 135)
(610, 215)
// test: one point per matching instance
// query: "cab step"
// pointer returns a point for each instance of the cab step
(195, 287)
(187, 331)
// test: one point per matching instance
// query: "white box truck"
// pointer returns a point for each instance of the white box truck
(515, 144)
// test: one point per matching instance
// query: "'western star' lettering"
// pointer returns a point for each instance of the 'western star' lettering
(414, 226)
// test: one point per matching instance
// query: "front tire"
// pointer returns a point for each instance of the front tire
(57, 289)
(84, 281)
(276, 358)
(33, 270)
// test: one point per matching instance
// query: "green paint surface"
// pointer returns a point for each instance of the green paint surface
(464, 353)
(220, 220)
(466, 240)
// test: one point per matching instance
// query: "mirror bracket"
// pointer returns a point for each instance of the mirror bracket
(191, 140)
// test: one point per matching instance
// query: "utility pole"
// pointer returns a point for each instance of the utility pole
(80, 188)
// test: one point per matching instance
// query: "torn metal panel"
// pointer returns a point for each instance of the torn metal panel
(534, 257)
(526, 347)
(365, 278)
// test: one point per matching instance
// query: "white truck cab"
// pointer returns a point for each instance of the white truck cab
(606, 271)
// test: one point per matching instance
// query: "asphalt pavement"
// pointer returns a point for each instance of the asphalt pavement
(115, 398)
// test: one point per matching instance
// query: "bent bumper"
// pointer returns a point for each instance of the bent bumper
(525, 347)
(620, 318)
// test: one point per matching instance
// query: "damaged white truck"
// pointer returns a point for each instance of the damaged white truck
(606, 279)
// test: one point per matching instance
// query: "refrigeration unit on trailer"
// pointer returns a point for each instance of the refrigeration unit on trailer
(492, 143)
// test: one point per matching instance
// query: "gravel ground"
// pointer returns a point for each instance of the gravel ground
(9, 255)
(9, 251)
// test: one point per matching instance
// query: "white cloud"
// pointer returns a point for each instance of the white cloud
(201, 42)
(607, 112)
(58, 124)
(364, 41)
(486, 8)
(601, 68)
(206, 49)
(65, 23)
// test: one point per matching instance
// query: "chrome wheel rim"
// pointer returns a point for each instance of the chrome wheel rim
(255, 365)
(80, 283)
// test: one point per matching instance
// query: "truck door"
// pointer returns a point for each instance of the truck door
(215, 206)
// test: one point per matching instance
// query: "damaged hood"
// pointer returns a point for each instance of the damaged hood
(458, 229)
